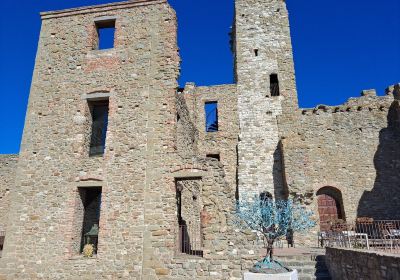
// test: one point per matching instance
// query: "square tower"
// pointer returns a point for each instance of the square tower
(99, 134)
(266, 89)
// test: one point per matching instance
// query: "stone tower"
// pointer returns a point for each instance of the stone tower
(266, 89)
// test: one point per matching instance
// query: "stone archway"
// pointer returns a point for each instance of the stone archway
(330, 206)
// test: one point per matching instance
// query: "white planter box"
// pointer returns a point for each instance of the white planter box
(281, 276)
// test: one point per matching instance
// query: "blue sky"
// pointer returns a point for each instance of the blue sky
(340, 48)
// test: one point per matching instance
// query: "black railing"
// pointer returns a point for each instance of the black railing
(382, 235)
(190, 241)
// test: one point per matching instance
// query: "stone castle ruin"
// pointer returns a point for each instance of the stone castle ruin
(115, 152)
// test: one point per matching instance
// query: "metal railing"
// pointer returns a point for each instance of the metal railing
(189, 241)
(382, 235)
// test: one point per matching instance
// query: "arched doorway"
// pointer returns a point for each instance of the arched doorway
(330, 207)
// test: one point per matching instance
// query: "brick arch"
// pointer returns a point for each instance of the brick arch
(330, 206)
(195, 167)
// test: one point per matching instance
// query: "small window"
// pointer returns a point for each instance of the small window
(215, 156)
(91, 201)
(99, 112)
(211, 111)
(256, 52)
(274, 85)
(105, 34)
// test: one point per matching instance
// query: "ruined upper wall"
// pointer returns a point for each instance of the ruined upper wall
(8, 168)
(224, 141)
(187, 135)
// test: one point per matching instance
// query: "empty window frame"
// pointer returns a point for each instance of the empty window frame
(90, 199)
(214, 156)
(99, 113)
(274, 85)
(105, 34)
(189, 207)
(211, 113)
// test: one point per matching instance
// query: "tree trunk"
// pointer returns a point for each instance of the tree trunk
(270, 249)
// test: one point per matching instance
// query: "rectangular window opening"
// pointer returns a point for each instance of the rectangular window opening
(105, 34)
(211, 111)
(99, 113)
(214, 156)
(256, 52)
(90, 199)
(274, 85)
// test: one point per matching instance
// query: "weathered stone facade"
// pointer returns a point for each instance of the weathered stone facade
(8, 166)
(156, 174)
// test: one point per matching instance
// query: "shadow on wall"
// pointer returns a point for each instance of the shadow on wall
(280, 187)
(383, 201)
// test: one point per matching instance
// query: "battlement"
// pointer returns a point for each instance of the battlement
(368, 100)
(99, 8)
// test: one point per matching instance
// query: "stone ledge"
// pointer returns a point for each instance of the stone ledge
(99, 8)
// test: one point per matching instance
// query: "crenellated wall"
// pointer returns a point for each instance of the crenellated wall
(352, 148)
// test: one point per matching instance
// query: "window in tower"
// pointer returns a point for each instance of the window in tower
(274, 85)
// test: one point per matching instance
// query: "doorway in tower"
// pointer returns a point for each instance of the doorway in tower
(330, 207)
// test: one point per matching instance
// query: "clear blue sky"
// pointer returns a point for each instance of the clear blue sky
(340, 48)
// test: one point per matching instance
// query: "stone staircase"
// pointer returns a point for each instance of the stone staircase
(309, 263)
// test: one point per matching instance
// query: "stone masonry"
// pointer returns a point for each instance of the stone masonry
(349, 264)
(8, 165)
(158, 173)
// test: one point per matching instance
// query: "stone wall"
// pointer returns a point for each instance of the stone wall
(156, 139)
(187, 135)
(352, 148)
(349, 264)
(224, 141)
(8, 165)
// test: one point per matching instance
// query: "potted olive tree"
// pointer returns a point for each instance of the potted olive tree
(273, 220)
